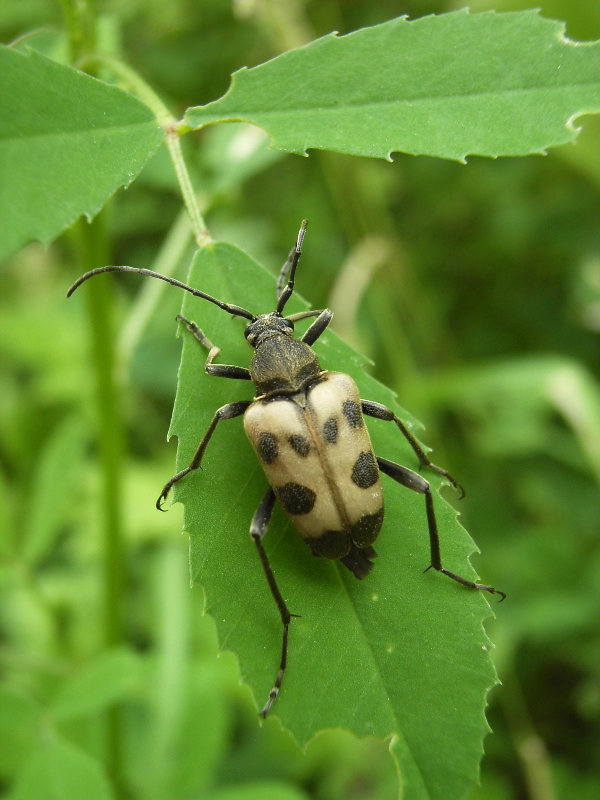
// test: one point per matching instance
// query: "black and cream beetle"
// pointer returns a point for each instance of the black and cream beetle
(307, 427)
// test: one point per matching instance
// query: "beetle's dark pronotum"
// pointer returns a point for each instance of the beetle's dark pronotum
(307, 427)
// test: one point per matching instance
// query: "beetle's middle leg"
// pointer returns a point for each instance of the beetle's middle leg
(219, 370)
(258, 528)
(229, 411)
(406, 477)
(379, 411)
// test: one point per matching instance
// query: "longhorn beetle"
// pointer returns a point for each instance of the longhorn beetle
(307, 427)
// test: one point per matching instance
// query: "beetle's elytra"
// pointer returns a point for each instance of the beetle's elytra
(307, 427)
(316, 453)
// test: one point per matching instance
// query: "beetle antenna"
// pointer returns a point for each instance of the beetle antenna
(291, 264)
(237, 311)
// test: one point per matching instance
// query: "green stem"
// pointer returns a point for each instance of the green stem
(110, 429)
(80, 17)
(529, 745)
(110, 439)
(199, 228)
(80, 21)
(136, 85)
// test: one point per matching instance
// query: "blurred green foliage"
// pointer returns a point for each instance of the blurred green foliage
(478, 304)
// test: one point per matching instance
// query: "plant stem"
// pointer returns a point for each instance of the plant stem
(110, 426)
(199, 228)
(110, 438)
(80, 21)
(80, 17)
(529, 745)
(135, 84)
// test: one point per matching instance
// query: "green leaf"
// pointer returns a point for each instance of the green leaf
(19, 724)
(512, 404)
(401, 654)
(67, 142)
(59, 771)
(259, 790)
(449, 86)
(6, 537)
(109, 678)
(52, 491)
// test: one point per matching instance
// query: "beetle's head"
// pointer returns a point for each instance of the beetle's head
(267, 325)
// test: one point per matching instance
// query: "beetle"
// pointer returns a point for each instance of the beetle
(307, 427)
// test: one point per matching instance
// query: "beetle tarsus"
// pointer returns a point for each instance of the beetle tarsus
(483, 587)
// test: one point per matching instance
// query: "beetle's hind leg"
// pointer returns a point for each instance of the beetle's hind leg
(379, 411)
(258, 528)
(219, 370)
(406, 477)
(229, 411)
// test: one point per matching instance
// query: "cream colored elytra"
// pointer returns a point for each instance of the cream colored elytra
(316, 453)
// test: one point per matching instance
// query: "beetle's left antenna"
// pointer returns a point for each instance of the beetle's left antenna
(293, 260)
(237, 311)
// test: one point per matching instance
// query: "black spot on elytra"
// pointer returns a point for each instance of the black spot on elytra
(364, 471)
(330, 430)
(299, 444)
(267, 447)
(295, 498)
(364, 532)
(351, 411)
(331, 544)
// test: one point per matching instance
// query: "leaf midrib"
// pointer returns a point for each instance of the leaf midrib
(398, 730)
(49, 135)
(487, 96)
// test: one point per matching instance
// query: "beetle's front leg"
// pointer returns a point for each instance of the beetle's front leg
(324, 317)
(379, 411)
(318, 327)
(219, 370)
(406, 477)
(258, 528)
(229, 411)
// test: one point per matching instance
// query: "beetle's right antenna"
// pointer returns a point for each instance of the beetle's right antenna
(290, 265)
(237, 311)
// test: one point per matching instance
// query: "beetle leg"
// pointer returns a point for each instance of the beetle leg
(318, 326)
(379, 411)
(229, 411)
(258, 528)
(303, 315)
(406, 477)
(219, 370)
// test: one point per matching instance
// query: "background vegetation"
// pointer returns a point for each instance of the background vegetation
(473, 288)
